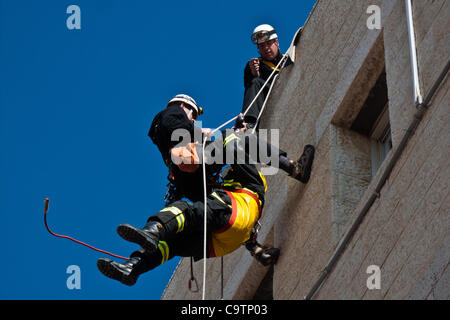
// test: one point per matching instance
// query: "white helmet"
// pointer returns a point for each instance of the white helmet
(263, 33)
(187, 100)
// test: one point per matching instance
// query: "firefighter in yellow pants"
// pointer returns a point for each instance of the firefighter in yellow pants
(233, 207)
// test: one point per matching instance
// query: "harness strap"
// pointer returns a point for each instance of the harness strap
(269, 64)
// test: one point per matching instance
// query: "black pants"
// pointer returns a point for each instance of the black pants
(263, 151)
(250, 93)
(184, 228)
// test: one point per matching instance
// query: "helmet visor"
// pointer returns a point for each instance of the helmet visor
(262, 36)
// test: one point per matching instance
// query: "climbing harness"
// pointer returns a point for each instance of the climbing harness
(46, 204)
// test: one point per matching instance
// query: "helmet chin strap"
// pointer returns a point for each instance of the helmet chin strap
(189, 115)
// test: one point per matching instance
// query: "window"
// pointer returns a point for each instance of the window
(373, 121)
(380, 141)
(359, 135)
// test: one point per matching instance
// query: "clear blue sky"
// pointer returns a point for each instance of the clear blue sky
(76, 106)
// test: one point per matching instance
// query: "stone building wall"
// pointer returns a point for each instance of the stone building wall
(316, 101)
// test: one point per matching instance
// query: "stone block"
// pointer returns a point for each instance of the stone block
(432, 51)
(436, 271)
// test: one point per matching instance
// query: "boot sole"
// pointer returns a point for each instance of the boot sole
(108, 269)
(135, 235)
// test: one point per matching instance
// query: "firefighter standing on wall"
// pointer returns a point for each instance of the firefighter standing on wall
(258, 70)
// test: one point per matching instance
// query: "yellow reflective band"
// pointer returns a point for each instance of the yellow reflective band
(178, 215)
(230, 138)
(263, 180)
(164, 248)
(231, 183)
(180, 220)
(176, 211)
(215, 195)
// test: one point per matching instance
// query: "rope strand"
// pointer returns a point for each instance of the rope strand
(46, 202)
(264, 104)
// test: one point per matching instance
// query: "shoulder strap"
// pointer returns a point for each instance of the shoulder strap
(269, 64)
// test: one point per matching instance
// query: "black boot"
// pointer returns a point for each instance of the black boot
(263, 254)
(302, 168)
(126, 272)
(147, 237)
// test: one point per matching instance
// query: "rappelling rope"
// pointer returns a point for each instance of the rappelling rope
(205, 139)
(264, 104)
(282, 60)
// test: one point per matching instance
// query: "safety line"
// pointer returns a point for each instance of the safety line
(264, 104)
(413, 53)
(265, 83)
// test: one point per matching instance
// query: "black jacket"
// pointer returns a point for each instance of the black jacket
(184, 184)
(163, 126)
(190, 185)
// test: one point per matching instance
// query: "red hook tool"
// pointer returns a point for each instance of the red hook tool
(46, 202)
